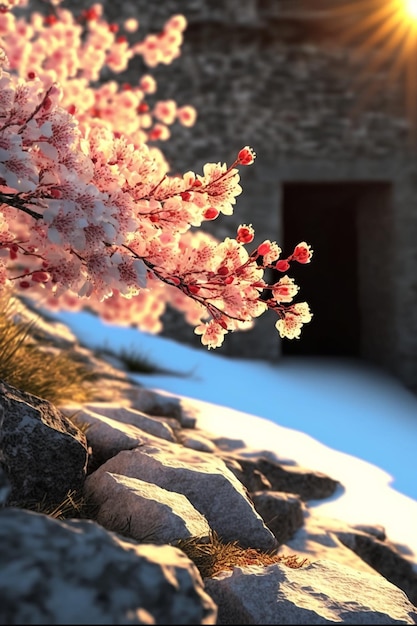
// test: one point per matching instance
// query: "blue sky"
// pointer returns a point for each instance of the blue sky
(340, 416)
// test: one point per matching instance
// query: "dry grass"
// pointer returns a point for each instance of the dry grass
(41, 370)
(72, 506)
(58, 377)
(213, 556)
(138, 362)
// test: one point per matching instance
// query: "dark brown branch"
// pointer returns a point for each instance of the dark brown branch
(19, 203)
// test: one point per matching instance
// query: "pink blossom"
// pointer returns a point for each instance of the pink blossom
(245, 234)
(290, 324)
(177, 22)
(148, 84)
(212, 334)
(187, 115)
(165, 111)
(282, 265)
(285, 289)
(89, 212)
(131, 25)
(302, 253)
(246, 156)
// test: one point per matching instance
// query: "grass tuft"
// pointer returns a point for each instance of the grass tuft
(41, 370)
(214, 556)
(137, 362)
(71, 506)
(74, 505)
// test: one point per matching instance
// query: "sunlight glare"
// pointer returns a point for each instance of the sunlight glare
(411, 8)
(383, 37)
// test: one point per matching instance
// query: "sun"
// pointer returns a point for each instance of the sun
(411, 8)
(383, 37)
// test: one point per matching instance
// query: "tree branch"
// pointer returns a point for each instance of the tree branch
(18, 203)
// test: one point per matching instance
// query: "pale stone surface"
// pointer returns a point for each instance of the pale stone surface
(133, 417)
(107, 436)
(363, 547)
(323, 592)
(317, 539)
(191, 439)
(104, 435)
(205, 480)
(162, 403)
(143, 510)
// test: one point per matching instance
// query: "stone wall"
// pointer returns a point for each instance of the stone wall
(255, 80)
(261, 77)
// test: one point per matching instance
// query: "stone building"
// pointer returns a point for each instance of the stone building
(268, 73)
(333, 168)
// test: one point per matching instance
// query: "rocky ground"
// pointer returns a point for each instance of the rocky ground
(152, 483)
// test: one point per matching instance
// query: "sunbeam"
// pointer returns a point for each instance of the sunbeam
(383, 37)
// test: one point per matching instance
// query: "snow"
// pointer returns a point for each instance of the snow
(342, 417)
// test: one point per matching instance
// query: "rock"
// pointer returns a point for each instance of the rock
(191, 439)
(142, 510)
(153, 477)
(382, 556)
(75, 572)
(105, 436)
(281, 512)
(323, 592)
(161, 403)
(308, 484)
(43, 455)
(4, 487)
(248, 474)
(43, 328)
(364, 548)
(207, 483)
(133, 417)
(242, 449)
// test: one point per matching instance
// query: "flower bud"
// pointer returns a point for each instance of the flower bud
(246, 156)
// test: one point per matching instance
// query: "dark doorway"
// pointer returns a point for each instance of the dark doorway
(325, 216)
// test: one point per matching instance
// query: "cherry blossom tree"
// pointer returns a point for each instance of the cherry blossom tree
(90, 215)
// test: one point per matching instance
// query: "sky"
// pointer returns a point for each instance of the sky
(342, 417)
